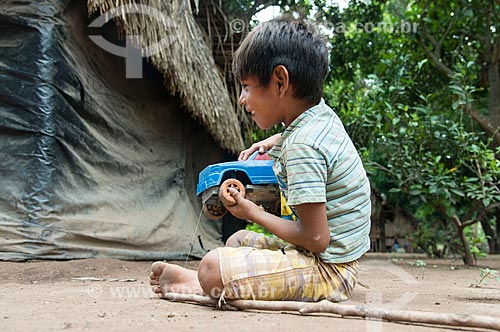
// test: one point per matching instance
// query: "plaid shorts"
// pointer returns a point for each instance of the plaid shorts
(264, 268)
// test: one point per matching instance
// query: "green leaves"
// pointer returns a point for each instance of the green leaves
(419, 145)
(486, 274)
(409, 117)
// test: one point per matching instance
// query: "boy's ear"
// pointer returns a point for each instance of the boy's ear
(281, 79)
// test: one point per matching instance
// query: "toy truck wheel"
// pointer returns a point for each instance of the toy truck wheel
(213, 212)
(224, 195)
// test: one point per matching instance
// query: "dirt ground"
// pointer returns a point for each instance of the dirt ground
(113, 295)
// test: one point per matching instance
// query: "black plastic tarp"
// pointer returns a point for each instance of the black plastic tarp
(91, 163)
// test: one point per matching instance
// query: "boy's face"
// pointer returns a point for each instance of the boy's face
(262, 102)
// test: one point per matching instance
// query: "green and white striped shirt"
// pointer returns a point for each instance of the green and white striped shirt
(316, 161)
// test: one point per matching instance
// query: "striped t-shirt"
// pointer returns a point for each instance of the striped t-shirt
(316, 162)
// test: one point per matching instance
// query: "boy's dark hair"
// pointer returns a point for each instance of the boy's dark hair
(288, 42)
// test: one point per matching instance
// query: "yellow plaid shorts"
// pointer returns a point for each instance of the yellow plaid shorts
(264, 268)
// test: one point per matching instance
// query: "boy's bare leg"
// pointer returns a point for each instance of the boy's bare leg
(172, 278)
(235, 239)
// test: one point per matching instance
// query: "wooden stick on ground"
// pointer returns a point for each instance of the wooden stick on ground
(324, 306)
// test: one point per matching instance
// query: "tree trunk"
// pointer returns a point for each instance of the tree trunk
(491, 234)
(494, 101)
(491, 57)
(496, 245)
(468, 259)
(487, 124)
(494, 98)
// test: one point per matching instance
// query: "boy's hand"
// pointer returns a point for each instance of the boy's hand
(244, 208)
(261, 146)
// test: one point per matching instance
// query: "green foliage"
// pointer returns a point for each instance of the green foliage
(416, 148)
(433, 235)
(420, 264)
(258, 229)
(256, 134)
(394, 259)
(477, 239)
(408, 117)
(486, 274)
(411, 125)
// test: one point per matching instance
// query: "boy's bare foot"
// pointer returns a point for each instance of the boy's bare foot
(166, 278)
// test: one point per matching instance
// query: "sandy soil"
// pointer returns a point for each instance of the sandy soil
(113, 295)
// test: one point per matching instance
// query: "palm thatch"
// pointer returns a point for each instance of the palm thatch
(223, 39)
(184, 59)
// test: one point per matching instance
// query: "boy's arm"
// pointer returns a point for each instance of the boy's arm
(262, 146)
(310, 232)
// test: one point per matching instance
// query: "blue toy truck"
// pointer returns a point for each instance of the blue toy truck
(253, 178)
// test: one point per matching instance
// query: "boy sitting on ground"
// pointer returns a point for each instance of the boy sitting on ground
(282, 65)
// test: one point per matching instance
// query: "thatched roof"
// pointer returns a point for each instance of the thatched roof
(185, 61)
